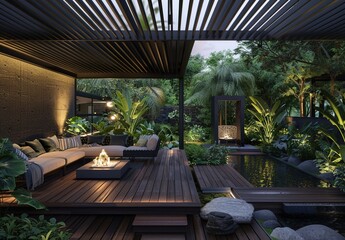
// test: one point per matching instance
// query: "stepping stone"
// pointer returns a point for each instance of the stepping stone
(240, 210)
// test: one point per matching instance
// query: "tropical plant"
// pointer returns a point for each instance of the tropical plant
(268, 121)
(11, 166)
(217, 154)
(196, 154)
(225, 79)
(24, 227)
(196, 133)
(77, 125)
(335, 159)
(103, 127)
(213, 155)
(130, 112)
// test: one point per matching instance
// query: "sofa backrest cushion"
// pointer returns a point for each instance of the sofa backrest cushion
(95, 139)
(55, 140)
(36, 145)
(118, 140)
(19, 153)
(152, 142)
(48, 144)
(70, 142)
(28, 151)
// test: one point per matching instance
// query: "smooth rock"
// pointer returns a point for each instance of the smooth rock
(264, 215)
(240, 210)
(272, 224)
(309, 166)
(319, 232)
(284, 159)
(327, 176)
(280, 145)
(220, 223)
(285, 233)
(294, 160)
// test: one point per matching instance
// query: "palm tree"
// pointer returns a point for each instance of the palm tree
(223, 79)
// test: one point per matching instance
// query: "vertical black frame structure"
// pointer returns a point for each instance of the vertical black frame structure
(181, 113)
(239, 100)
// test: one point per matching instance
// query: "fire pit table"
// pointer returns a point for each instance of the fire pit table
(115, 170)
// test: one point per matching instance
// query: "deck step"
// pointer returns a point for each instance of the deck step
(152, 236)
(160, 223)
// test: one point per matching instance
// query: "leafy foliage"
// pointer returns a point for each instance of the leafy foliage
(214, 155)
(11, 166)
(196, 134)
(130, 112)
(77, 125)
(24, 227)
(267, 120)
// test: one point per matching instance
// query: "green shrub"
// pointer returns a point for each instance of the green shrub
(196, 154)
(196, 134)
(24, 227)
(217, 154)
(214, 155)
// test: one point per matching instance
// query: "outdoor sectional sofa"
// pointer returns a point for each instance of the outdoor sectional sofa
(46, 155)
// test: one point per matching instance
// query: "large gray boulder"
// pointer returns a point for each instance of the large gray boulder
(220, 224)
(309, 166)
(319, 232)
(240, 210)
(265, 215)
(285, 233)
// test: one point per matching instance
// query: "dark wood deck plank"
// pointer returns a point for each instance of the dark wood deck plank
(165, 182)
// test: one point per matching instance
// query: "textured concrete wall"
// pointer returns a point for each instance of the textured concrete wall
(34, 101)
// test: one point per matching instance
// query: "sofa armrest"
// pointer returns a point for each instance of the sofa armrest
(142, 153)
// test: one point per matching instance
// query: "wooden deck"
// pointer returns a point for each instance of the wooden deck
(165, 184)
(224, 178)
(107, 227)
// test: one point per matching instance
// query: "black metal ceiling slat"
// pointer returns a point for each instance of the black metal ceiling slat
(331, 28)
(203, 32)
(145, 18)
(149, 51)
(157, 56)
(190, 8)
(123, 28)
(129, 18)
(264, 20)
(162, 18)
(136, 19)
(22, 19)
(90, 17)
(226, 14)
(197, 17)
(117, 32)
(323, 21)
(131, 52)
(121, 58)
(104, 20)
(154, 20)
(290, 17)
(239, 30)
(255, 21)
(162, 47)
(214, 17)
(180, 9)
(73, 21)
(239, 17)
(89, 25)
(280, 14)
(229, 17)
(307, 14)
(187, 49)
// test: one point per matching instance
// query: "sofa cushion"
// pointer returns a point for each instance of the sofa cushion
(136, 148)
(70, 142)
(56, 141)
(142, 141)
(48, 164)
(95, 139)
(28, 151)
(36, 145)
(20, 154)
(48, 144)
(112, 150)
(118, 140)
(152, 142)
(70, 155)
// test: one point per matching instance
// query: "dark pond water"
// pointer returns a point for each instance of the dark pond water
(263, 171)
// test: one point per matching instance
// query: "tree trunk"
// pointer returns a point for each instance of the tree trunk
(301, 106)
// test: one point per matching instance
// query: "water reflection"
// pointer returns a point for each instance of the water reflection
(262, 171)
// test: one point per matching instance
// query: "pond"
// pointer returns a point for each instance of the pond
(264, 171)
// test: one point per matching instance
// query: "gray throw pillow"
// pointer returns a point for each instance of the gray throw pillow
(36, 145)
(48, 144)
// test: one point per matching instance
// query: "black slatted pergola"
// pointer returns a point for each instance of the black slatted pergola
(127, 38)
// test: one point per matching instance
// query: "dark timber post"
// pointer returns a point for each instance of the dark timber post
(181, 113)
